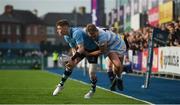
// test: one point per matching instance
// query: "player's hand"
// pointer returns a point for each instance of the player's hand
(86, 53)
(73, 51)
(69, 64)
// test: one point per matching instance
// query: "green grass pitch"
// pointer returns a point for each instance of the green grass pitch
(36, 87)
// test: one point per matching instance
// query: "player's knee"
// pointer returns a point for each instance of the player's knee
(109, 65)
(118, 63)
(92, 68)
(118, 66)
(92, 74)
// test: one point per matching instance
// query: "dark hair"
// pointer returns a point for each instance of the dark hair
(62, 22)
(91, 28)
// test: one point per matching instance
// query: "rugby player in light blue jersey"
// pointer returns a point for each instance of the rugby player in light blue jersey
(113, 47)
(79, 42)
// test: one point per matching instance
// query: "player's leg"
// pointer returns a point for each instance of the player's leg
(110, 73)
(119, 82)
(117, 62)
(92, 75)
(93, 80)
(66, 74)
(109, 70)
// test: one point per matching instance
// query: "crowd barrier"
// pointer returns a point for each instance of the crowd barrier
(165, 60)
(20, 62)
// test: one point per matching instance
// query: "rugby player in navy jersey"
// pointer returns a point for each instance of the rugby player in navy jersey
(80, 43)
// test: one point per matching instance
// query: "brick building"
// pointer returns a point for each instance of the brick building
(21, 26)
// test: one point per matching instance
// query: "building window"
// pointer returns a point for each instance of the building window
(28, 30)
(3, 29)
(50, 30)
(17, 30)
(41, 30)
(9, 30)
(35, 30)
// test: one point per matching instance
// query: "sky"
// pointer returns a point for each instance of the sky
(45, 6)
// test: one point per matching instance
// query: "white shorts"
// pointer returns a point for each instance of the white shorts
(121, 51)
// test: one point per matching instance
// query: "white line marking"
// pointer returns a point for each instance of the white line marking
(106, 89)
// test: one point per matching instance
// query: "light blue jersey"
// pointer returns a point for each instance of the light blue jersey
(114, 42)
(78, 36)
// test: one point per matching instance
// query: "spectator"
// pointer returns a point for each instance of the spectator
(55, 59)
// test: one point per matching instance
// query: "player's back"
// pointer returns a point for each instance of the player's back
(78, 36)
(89, 44)
(114, 41)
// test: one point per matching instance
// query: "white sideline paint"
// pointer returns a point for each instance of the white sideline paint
(25, 89)
(105, 89)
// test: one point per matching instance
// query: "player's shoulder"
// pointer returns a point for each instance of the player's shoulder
(67, 38)
(77, 31)
(102, 32)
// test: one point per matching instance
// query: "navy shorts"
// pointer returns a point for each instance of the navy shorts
(91, 59)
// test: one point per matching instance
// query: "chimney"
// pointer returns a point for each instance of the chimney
(82, 10)
(35, 12)
(8, 9)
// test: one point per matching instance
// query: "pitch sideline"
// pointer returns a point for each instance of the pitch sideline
(104, 89)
